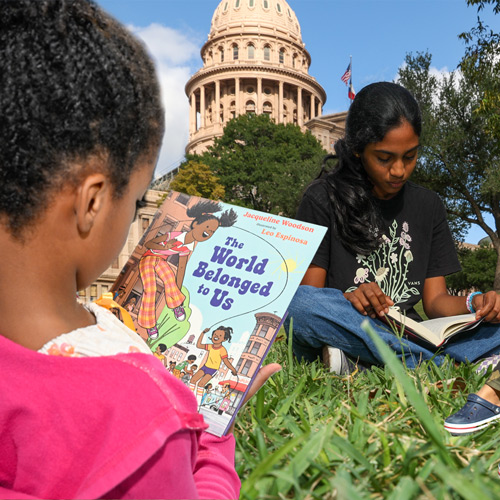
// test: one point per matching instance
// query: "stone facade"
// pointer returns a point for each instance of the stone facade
(255, 61)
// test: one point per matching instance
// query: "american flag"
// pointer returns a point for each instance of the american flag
(351, 94)
(347, 75)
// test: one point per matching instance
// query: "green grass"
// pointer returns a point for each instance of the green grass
(378, 434)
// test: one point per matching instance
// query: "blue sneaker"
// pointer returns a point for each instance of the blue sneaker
(475, 415)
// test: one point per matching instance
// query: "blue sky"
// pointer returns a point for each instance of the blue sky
(377, 33)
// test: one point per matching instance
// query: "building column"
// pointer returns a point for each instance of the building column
(320, 108)
(300, 111)
(280, 102)
(192, 113)
(259, 95)
(313, 107)
(202, 106)
(237, 96)
(217, 101)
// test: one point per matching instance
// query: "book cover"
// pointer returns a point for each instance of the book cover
(207, 287)
(436, 331)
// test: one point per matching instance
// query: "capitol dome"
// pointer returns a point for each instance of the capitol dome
(254, 61)
(261, 14)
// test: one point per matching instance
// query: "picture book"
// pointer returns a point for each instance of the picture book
(433, 331)
(207, 287)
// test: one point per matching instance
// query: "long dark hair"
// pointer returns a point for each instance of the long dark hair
(376, 109)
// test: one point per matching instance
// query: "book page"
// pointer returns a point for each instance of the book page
(413, 326)
(435, 330)
(447, 326)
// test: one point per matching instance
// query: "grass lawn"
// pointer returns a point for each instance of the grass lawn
(375, 434)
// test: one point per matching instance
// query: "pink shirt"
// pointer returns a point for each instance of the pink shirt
(104, 427)
(179, 247)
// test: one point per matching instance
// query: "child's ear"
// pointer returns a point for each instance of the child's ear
(90, 198)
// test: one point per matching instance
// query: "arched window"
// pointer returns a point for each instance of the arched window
(237, 4)
(267, 108)
(225, 7)
(251, 52)
(251, 3)
(294, 60)
(267, 53)
(266, 4)
(221, 54)
(278, 7)
(250, 107)
(282, 56)
(235, 52)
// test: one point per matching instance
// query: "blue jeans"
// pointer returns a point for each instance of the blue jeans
(322, 316)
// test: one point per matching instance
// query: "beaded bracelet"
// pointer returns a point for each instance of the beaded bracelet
(468, 301)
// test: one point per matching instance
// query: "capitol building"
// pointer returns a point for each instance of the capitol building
(254, 61)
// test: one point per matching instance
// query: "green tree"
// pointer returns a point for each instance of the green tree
(482, 3)
(264, 165)
(196, 179)
(482, 65)
(460, 156)
(478, 270)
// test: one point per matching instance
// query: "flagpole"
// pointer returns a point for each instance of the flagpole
(351, 88)
(350, 80)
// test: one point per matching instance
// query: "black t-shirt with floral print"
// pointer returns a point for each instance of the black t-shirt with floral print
(417, 244)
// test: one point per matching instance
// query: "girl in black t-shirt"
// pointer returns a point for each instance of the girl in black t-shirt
(388, 243)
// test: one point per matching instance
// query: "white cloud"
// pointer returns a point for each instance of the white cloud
(167, 44)
(440, 74)
(177, 59)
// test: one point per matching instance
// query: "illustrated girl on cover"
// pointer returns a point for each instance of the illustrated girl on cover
(154, 263)
(217, 354)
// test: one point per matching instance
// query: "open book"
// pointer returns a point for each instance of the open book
(207, 288)
(434, 331)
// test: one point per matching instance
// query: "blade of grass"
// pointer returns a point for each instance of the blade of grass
(426, 419)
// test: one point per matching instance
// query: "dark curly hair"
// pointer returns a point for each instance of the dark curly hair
(204, 210)
(376, 109)
(73, 83)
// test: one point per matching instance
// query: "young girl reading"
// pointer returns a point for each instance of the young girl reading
(80, 131)
(388, 243)
(153, 264)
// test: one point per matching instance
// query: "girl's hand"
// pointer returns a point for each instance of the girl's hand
(487, 306)
(369, 300)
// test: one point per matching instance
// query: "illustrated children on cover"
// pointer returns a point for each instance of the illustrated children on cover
(160, 353)
(217, 354)
(181, 367)
(153, 264)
